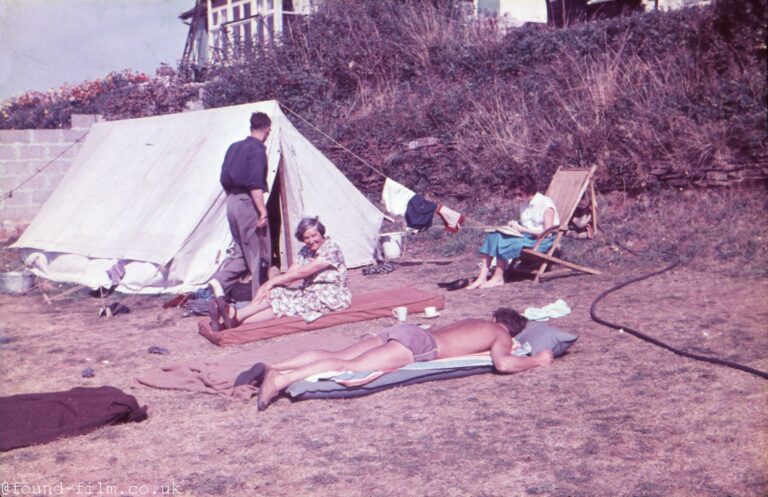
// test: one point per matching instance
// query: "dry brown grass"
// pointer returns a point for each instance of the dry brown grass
(614, 417)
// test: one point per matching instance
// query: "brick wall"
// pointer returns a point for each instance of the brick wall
(32, 162)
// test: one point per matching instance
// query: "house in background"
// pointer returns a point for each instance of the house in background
(222, 31)
(515, 13)
(226, 30)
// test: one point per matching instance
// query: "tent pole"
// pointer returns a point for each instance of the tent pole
(284, 215)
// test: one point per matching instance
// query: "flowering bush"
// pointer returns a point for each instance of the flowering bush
(119, 95)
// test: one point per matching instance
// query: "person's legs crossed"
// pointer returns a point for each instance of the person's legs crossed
(311, 356)
(388, 356)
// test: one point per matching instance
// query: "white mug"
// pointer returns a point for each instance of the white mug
(430, 312)
(400, 313)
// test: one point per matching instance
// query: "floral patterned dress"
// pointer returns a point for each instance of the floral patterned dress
(319, 293)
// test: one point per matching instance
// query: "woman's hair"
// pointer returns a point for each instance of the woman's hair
(308, 223)
(511, 319)
(524, 183)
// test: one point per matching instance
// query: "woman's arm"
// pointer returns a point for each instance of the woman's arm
(549, 221)
(294, 273)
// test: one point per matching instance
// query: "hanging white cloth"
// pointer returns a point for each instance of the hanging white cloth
(396, 197)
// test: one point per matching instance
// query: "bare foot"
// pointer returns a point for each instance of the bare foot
(268, 390)
(492, 283)
(476, 284)
(544, 357)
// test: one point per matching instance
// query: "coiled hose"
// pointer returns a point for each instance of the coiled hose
(658, 343)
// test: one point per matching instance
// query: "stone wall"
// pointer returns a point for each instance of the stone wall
(32, 163)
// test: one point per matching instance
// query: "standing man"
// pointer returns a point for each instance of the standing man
(244, 179)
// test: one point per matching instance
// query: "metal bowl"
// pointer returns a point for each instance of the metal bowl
(16, 281)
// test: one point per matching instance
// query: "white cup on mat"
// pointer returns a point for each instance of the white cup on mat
(430, 312)
(400, 313)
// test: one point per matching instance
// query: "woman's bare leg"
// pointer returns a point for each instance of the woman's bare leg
(253, 313)
(485, 264)
(311, 356)
(388, 356)
(498, 274)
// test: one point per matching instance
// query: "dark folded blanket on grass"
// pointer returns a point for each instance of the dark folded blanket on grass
(365, 306)
(29, 419)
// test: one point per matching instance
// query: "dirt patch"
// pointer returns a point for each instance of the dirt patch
(614, 417)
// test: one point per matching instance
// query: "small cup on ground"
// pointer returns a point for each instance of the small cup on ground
(400, 313)
(430, 312)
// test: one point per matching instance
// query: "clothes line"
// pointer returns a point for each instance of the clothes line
(400, 200)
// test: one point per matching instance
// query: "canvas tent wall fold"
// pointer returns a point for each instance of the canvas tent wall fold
(146, 192)
(323, 190)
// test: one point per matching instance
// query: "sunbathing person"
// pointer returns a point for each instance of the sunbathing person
(399, 345)
(538, 213)
(324, 287)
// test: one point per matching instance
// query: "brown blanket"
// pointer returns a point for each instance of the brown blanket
(217, 376)
(367, 306)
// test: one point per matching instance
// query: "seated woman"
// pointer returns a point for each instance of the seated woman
(538, 214)
(324, 287)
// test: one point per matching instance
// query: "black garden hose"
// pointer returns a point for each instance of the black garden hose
(658, 343)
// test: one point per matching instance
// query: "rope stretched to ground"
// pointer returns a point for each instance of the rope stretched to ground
(658, 343)
(9, 193)
(363, 161)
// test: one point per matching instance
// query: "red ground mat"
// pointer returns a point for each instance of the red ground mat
(364, 307)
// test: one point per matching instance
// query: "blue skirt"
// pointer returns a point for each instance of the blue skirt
(510, 247)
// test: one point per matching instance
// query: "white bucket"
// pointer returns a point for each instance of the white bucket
(16, 281)
(392, 244)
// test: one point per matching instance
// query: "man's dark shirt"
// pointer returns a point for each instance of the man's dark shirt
(245, 167)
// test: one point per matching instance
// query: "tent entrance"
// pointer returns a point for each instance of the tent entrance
(279, 222)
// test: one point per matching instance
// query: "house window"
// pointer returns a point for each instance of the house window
(270, 4)
(270, 27)
(236, 12)
(247, 10)
(247, 38)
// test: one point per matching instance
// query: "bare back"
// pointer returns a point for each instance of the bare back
(470, 336)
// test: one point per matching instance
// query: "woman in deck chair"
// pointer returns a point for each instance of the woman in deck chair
(323, 289)
(537, 214)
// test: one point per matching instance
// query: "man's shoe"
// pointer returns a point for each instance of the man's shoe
(252, 376)
(213, 312)
(223, 308)
(456, 284)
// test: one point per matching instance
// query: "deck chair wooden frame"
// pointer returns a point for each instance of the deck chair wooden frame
(566, 189)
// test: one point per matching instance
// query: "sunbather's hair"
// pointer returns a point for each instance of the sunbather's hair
(524, 183)
(259, 120)
(308, 223)
(511, 319)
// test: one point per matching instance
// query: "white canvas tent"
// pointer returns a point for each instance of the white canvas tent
(146, 192)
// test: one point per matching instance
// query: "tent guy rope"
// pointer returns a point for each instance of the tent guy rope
(9, 193)
(366, 163)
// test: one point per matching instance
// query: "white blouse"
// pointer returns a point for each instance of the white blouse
(532, 216)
